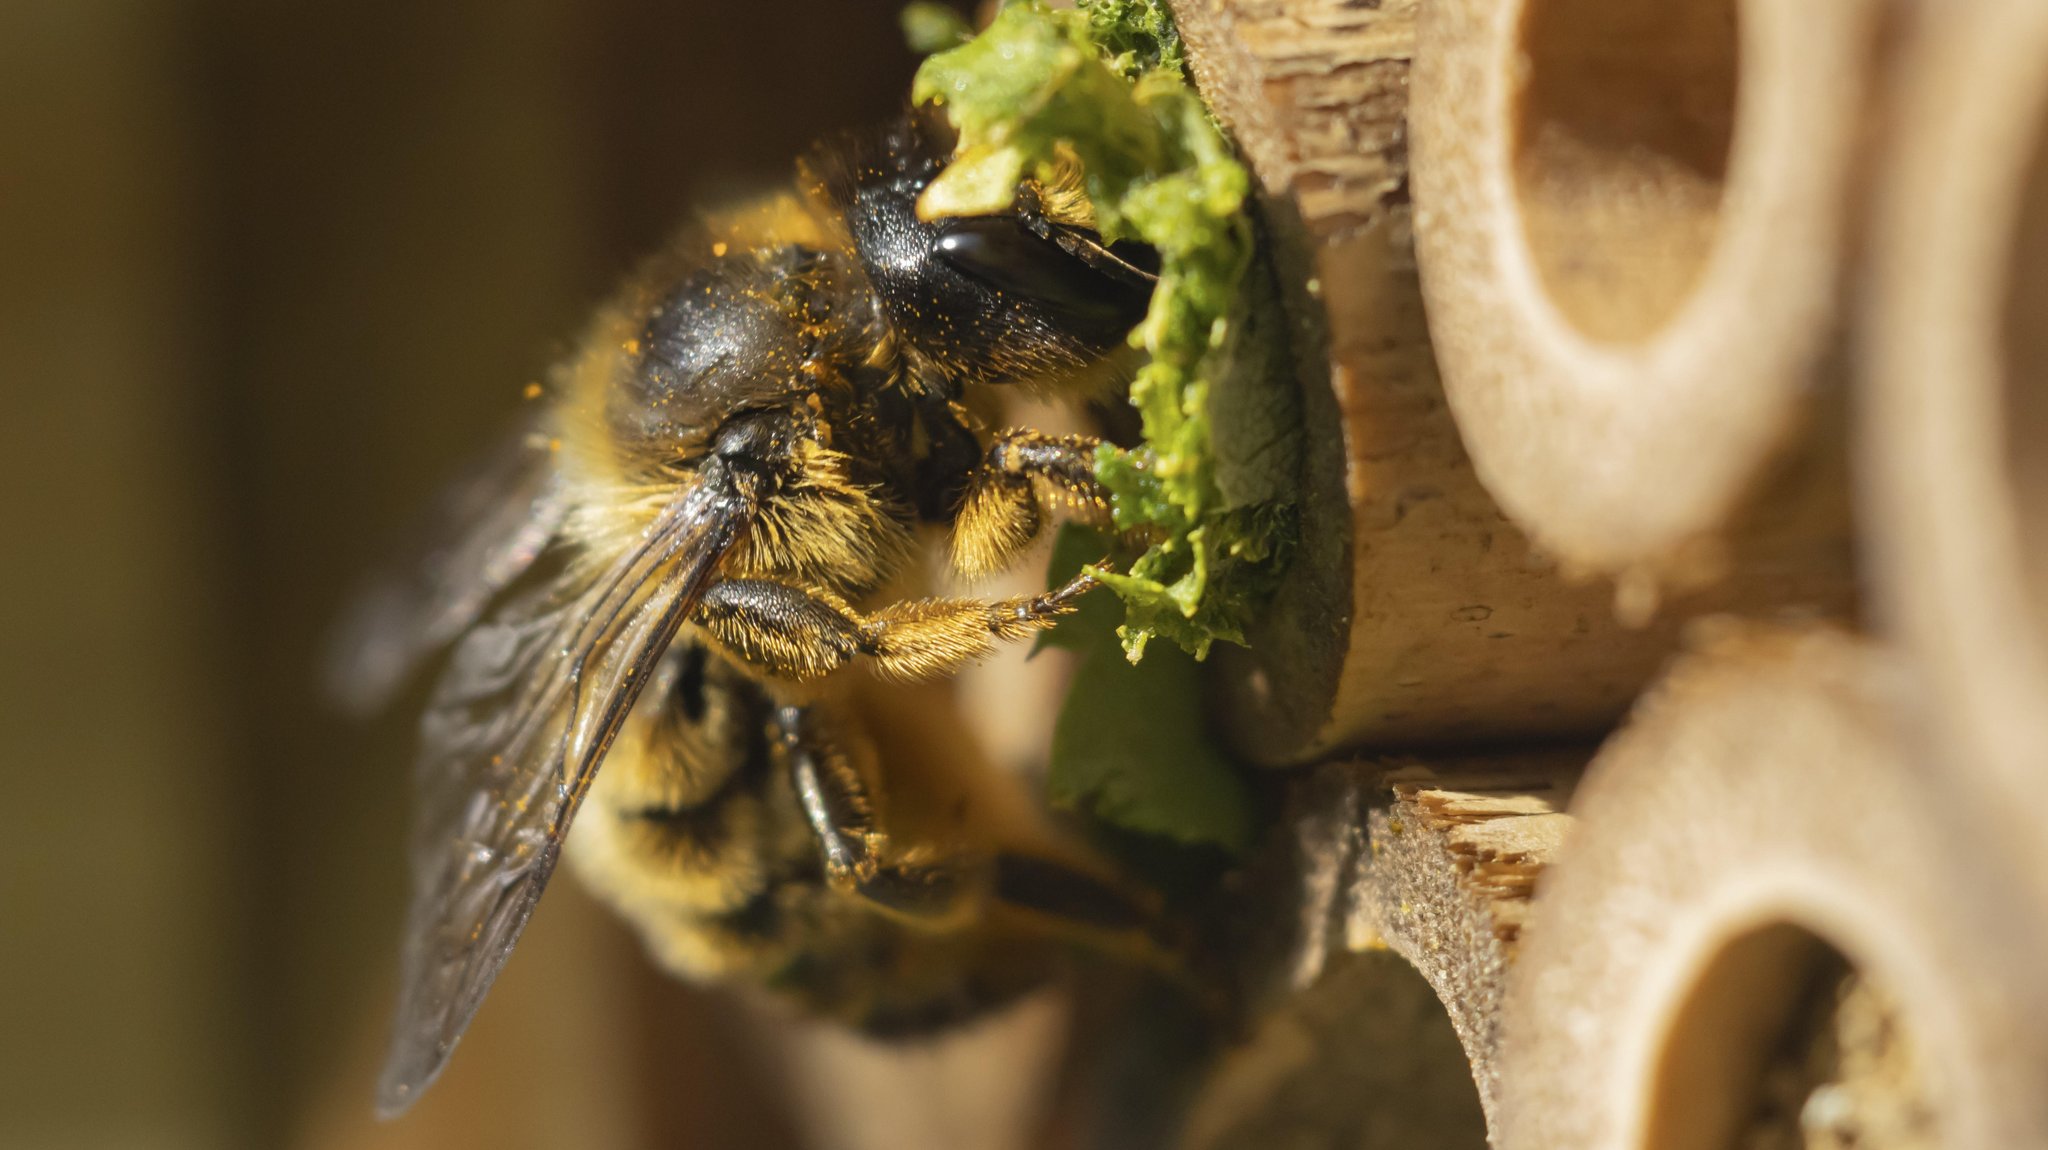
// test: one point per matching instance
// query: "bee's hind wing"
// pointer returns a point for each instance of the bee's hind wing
(529, 704)
(482, 532)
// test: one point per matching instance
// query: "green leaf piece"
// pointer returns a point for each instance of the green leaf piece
(1105, 84)
(1210, 489)
(1131, 746)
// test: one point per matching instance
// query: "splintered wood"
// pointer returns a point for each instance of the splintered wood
(1383, 928)
(1451, 863)
(1498, 834)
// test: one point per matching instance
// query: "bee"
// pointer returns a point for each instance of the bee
(667, 574)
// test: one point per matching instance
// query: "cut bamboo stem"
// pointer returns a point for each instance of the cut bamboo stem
(1455, 853)
(1953, 448)
(1376, 944)
(1761, 882)
(1379, 939)
(1632, 221)
(1414, 614)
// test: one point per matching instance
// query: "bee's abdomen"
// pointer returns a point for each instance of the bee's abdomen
(715, 906)
(695, 836)
(681, 823)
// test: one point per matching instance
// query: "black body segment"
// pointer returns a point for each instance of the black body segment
(984, 300)
(744, 332)
(1011, 255)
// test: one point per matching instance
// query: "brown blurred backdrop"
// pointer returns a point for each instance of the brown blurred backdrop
(267, 270)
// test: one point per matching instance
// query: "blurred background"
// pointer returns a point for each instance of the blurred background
(267, 272)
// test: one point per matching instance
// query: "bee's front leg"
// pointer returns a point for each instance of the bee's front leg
(1023, 478)
(801, 634)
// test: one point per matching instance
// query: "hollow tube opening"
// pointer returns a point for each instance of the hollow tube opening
(1782, 1042)
(1626, 122)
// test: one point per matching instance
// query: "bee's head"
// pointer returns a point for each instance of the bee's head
(1031, 294)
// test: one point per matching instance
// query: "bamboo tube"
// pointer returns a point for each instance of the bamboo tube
(1454, 855)
(1953, 449)
(1353, 1035)
(1375, 943)
(1769, 924)
(1632, 222)
(1414, 613)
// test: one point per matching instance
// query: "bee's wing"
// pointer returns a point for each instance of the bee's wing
(530, 702)
(482, 533)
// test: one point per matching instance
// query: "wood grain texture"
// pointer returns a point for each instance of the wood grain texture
(1377, 936)
(1454, 855)
(1414, 612)
(1404, 884)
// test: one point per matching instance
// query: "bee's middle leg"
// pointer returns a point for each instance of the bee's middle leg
(1022, 479)
(800, 634)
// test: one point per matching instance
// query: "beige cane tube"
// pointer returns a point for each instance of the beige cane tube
(1414, 613)
(1631, 220)
(1953, 452)
(1770, 922)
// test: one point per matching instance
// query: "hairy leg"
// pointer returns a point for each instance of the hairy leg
(800, 634)
(1024, 477)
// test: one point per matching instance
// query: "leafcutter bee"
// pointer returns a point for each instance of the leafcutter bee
(666, 573)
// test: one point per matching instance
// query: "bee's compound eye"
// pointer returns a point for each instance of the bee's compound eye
(1003, 252)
